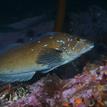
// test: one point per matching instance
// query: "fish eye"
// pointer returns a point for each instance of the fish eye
(78, 39)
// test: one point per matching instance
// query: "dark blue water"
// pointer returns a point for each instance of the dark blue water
(15, 10)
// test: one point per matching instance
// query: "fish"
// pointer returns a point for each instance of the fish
(55, 49)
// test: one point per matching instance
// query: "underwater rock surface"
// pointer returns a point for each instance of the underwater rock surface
(86, 89)
(90, 23)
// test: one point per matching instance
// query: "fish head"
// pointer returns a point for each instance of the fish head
(61, 49)
(64, 47)
(75, 47)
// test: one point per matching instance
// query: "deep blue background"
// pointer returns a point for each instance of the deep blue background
(14, 10)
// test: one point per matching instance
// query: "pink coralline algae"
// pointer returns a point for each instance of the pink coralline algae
(86, 89)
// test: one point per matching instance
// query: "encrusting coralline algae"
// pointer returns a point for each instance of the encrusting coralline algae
(86, 89)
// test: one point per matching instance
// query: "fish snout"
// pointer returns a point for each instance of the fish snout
(86, 46)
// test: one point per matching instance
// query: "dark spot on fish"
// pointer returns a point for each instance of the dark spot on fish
(20, 40)
(78, 39)
(49, 57)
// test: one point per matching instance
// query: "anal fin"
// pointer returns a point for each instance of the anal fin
(16, 77)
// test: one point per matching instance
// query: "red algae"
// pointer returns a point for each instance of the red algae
(86, 89)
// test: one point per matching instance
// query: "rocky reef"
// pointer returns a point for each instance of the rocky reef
(88, 89)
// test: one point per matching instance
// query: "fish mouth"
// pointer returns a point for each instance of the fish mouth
(88, 47)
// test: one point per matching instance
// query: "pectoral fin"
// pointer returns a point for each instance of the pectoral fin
(50, 57)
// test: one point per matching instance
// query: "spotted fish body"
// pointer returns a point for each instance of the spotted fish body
(51, 51)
